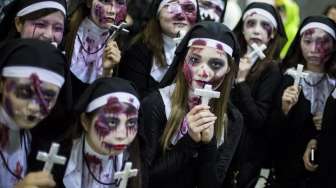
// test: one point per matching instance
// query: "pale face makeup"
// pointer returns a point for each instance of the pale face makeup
(211, 10)
(177, 15)
(105, 13)
(28, 100)
(47, 28)
(257, 29)
(316, 46)
(204, 65)
(113, 127)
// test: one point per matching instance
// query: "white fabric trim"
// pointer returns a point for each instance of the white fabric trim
(122, 97)
(27, 71)
(219, 3)
(164, 2)
(322, 26)
(334, 94)
(41, 5)
(213, 44)
(262, 12)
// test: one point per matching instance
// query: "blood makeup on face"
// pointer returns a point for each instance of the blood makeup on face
(316, 44)
(183, 10)
(257, 29)
(104, 10)
(108, 120)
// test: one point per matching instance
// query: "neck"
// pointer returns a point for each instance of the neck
(89, 149)
(317, 68)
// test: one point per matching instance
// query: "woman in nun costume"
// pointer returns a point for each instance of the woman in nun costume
(32, 74)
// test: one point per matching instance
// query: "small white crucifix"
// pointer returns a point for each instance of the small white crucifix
(118, 29)
(257, 51)
(179, 37)
(125, 174)
(51, 157)
(206, 94)
(298, 74)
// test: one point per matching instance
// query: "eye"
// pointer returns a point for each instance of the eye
(40, 24)
(24, 92)
(250, 23)
(266, 26)
(121, 2)
(189, 7)
(307, 41)
(49, 95)
(194, 60)
(132, 123)
(216, 64)
(58, 29)
(105, 1)
(206, 4)
(113, 122)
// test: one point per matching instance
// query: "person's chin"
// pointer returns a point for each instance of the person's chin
(23, 124)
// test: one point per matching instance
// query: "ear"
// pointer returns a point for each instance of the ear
(18, 24)
(273, 34)
(85, 122)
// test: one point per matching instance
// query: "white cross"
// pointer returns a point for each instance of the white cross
(118, 29)
(125, 174)
(257, 50)
(334, 94)
(51, 157)
(298, 74)
(206, 94)
(179, 37)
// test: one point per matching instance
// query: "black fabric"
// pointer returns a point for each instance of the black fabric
(255, 102)
(101, 87)
(295, 46)
(135, 65)
(291, 134)
(205, 29)
(326, 155)
(35, 53)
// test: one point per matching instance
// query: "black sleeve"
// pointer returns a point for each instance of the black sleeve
(256, 108)
(162, 167)
(135, 65)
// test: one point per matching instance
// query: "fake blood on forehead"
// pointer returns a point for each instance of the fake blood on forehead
(37, 88)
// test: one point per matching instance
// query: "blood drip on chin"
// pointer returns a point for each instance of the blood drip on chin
(102, 128)
(37, 88)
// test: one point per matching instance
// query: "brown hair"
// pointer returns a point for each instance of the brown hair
(179, 105)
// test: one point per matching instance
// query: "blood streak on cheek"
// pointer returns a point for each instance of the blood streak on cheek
(121, 14)
(192, 17)
(187, 73)
(99, 12)
(101, 127)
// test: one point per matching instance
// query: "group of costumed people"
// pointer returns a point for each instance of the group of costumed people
(184, 102)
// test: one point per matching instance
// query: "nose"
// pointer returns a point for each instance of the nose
(204, 72)
(48, 34)
(121, 132)
(33, 106)
(111, 9)
(257, 29)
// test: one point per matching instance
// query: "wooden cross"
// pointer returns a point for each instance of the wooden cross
(258, 50)
(125, 174)
(206, 94)
(118, 29)
(51, 157)
(298, 74)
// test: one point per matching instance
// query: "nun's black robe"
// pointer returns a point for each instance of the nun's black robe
(187, 164)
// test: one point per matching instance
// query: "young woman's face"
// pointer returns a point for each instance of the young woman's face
(177, 15)
(113, 127)
(47, 28)
(211, 10)
(257, 29)
(27, 101)
(205, 65)
(105, 13)
(316, 46)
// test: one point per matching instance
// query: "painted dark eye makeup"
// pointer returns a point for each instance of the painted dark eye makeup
(132, 122)
(112, 122)
(188, 7)
(216, 64)
(194, 59)
(40, 24)
(49, 95)
(106, 1)
(121, 2)
(251, 23)
(24, 91)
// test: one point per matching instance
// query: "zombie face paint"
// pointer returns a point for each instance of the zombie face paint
(177, 15)
(211, 10)
(257, 29)
(104, 13)
(47, 28)
(113, 128)
(205, 65)
(316, 46)
(26, 102)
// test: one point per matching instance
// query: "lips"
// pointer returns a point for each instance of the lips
(117, 147)
(201, 83)
(180, 24)
(256, 40)
(109, 20)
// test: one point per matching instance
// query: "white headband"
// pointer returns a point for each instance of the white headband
(27, 71)
(164, 2)
(213, 44)
(320, 25)
(219, 3)
(122, 97)
(41, 5)
(262, 12)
